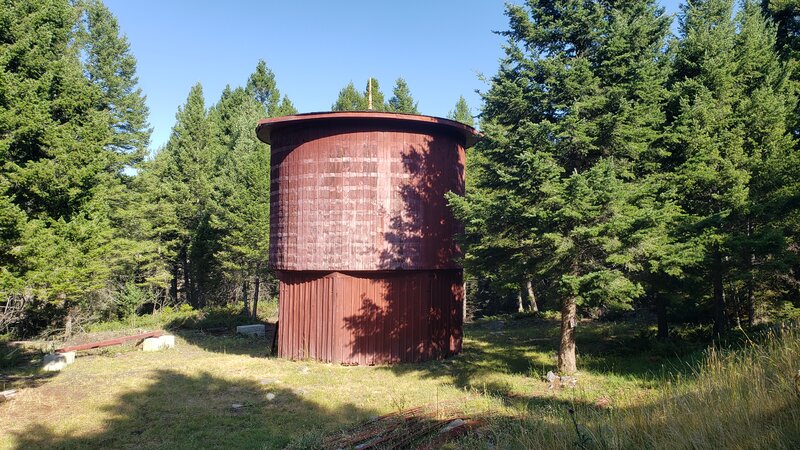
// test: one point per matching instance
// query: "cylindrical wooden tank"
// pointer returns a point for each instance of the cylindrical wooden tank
(361, 237)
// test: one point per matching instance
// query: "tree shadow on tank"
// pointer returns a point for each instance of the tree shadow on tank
(422, 228)
(416, 313)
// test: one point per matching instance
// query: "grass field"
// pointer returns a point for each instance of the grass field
(631, 393)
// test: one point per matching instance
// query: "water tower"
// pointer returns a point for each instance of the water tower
(361, 238)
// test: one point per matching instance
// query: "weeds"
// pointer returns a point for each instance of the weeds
(743, 398)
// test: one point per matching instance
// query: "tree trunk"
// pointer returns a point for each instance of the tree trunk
(68, 324)
(719, 293)
(187, 285)
(245, 288)
(520, 304)
(751, 296)
(751, 259)
(255, 298)
(464, 304)
(661, 313)
(173, 289)
(532, 297)
(566, 351)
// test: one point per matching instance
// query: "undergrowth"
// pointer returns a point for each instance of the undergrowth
(743, 398)
(186, 317)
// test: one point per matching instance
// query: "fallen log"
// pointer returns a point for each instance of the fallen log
(109, 342)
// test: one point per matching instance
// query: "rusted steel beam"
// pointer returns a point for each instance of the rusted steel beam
(109, 342)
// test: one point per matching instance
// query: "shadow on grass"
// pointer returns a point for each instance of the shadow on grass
(214, 330)
(744, 398)
(20, 367)
(182, 411)
(528, 347)
(229, 342)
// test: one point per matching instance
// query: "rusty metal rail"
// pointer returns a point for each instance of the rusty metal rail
(109, 342)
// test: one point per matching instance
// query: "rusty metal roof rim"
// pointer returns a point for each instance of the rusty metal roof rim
(265, 126)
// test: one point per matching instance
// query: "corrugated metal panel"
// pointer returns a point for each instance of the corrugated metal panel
(370, 318)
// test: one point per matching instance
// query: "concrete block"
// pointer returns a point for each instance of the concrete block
(155, 344)
(252, 330)
(152, 344)
(55, 362)
(167, 341)
(69, 357)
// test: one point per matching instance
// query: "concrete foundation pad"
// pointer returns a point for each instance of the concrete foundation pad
(57, 361)
(252, 330)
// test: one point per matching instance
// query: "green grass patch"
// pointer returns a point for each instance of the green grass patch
(228, 392)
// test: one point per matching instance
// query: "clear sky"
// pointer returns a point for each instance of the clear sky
(441, 47)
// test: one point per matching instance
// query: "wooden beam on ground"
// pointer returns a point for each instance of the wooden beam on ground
(110, 342)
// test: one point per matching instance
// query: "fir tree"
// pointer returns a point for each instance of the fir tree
(350, 100)
(461, 113)
(111, 66)
(762, 111)
(241, 215)
(262, 86)
(786, 14)
(707, 142)
(55, 160)
(402, 101)
(286, 108)
(562, 155)
(185, 168)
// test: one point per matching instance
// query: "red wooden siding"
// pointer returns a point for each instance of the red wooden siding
(361, 236)
(364, 196)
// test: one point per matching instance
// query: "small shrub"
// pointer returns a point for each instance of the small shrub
(787, 312)
(130, 298)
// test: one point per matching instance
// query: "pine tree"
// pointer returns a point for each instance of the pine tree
(707, 142)
(262, 86)
(762, 112)
(461, 113)
(570, 121)
(402, 101)
(111, 66)
(55, 160)
(350, 100)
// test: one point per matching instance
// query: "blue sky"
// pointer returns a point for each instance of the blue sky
(441, 47)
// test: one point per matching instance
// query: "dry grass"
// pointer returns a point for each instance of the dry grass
(737, 399)
(628, 396)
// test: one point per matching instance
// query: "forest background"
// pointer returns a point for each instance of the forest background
(625, 169)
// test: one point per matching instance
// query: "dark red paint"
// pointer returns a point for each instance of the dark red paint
(361, 236)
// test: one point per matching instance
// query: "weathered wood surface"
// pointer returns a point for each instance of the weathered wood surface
(364, 196)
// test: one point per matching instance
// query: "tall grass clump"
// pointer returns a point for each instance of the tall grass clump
(743, 398)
